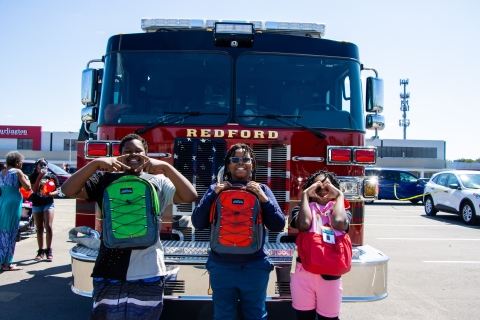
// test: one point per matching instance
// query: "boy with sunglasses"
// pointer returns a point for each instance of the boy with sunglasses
(243, 277)
(44, 186)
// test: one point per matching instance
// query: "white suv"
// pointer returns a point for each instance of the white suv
(456, 192)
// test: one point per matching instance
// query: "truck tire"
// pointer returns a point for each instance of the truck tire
(468, 213)
(430, 207)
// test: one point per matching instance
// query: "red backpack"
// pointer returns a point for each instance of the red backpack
(236, 222)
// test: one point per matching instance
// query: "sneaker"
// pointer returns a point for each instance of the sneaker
(40, 254)
(48, 252)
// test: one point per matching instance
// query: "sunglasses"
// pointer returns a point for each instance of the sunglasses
(237, 160)
(42, 165)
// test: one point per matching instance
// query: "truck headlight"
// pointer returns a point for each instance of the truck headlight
(370, 187)
(349, 188)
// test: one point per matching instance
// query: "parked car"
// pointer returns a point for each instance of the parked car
(29, 166)
(456, 191)
(425, 180)
(397, 184)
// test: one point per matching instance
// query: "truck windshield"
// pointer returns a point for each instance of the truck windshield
(146, 88)
(143, 88)
(324, 92)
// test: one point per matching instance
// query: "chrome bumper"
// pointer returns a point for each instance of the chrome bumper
(367, 280)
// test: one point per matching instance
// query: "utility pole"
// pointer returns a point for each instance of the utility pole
(404, 107)
(70, 148)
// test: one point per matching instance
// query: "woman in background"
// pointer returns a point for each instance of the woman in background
(11, 179)
(45, 187)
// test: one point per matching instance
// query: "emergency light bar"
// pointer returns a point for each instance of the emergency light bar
(294, 28)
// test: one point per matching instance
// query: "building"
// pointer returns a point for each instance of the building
(421, 157)
(33, 143)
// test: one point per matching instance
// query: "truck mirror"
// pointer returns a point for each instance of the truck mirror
(375, 122)
(89, 114)
(374, 101)
(89, 86)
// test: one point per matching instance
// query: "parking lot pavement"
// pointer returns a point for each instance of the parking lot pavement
(42, 289)
(433, 271)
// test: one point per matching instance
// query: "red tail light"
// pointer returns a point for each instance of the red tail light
(115, 149)
(364, 155)
(99, 149)
(340, 155)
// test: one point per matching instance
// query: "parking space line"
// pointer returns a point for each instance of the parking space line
(403, 216)
(429, 239)
(411, 225)
(476, 262)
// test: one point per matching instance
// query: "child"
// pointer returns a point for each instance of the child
(241, 277)
(44, 190)
(318, 294)
(129, 284)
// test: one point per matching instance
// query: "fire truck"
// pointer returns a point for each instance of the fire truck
(192, 88)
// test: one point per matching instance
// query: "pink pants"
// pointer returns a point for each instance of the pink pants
(310, 291)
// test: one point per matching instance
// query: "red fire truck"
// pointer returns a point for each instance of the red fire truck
(192, 88)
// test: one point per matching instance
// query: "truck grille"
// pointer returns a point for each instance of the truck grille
(200, 159)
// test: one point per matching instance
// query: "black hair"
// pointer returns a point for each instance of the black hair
(12, 157)
(133, 136)
(231, 152)
(38, 161)
(328, 174)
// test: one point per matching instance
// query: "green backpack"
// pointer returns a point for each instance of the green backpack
(130, 213)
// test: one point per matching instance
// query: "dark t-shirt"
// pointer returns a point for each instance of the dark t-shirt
(38, 199)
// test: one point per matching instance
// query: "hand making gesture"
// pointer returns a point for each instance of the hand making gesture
(255, 188)
(322, 191)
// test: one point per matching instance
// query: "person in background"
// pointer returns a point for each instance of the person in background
(11, 180)
(44, 186)
(241, 277)
(129, 284)
(318, 296)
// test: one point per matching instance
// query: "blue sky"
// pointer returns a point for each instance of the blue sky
(45, 45)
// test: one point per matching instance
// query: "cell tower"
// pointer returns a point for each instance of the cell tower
(404, 107)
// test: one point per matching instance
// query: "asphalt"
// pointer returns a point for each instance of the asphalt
(42, 290)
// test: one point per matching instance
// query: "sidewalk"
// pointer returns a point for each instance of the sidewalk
(42, 289)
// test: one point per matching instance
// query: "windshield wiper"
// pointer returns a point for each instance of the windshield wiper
(176, 116)
(292, 123)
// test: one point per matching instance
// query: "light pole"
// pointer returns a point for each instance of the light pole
(70, 148)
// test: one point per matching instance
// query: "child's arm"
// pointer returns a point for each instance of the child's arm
(74, 186)
(185, 192)
(304, 218)
(339, 219)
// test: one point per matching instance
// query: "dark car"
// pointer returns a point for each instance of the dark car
(29, 166)
(397, 184)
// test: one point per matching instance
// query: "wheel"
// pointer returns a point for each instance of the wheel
(468, 213)
(430, 207)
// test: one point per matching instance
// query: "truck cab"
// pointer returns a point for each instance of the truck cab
(192, 88)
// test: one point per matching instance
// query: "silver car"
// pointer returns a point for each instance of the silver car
(456, 191)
